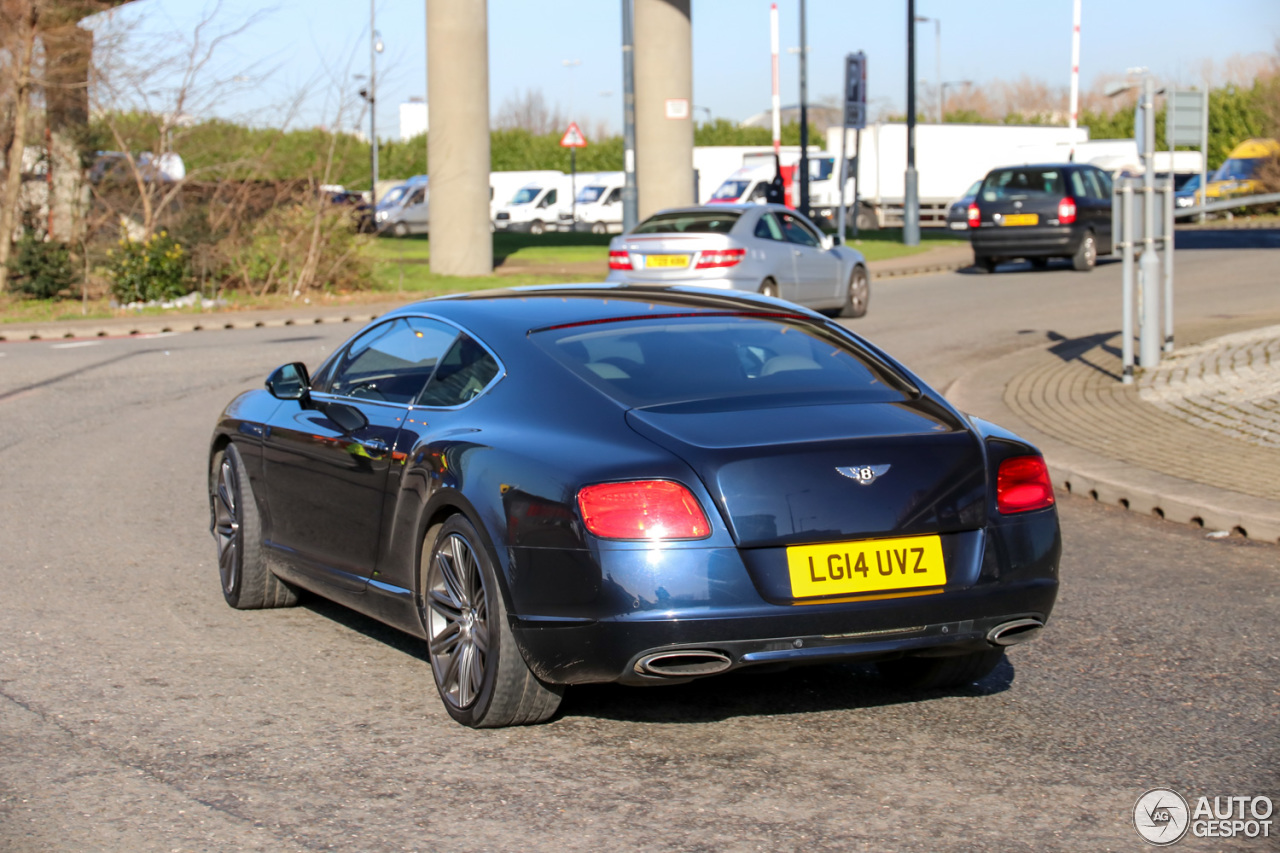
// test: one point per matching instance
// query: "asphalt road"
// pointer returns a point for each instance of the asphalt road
(139, 712)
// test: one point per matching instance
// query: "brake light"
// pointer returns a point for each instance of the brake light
(1067, 210)
(619, 261)
(719, 258)
(975, 215)
(1022, 484)
(642, 509)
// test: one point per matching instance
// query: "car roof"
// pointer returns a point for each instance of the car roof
(1043, 166)
(495, 315)
(737, 207)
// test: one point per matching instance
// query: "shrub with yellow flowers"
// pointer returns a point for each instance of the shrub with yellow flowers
(153, 269)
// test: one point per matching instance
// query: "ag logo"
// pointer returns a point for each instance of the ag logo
(1161, 816)
(864, 474)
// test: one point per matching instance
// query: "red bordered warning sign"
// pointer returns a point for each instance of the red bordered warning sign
(573, 137)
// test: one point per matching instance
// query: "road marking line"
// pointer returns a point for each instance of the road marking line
(75, 344)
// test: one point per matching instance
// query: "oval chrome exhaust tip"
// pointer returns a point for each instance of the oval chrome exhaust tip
(684, 663)
(1017, 631)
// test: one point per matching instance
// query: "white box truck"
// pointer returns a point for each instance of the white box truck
(597, 207)
(949, 158)
(535, 208)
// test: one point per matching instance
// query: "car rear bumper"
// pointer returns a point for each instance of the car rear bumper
(714, 600)
(1026, 242)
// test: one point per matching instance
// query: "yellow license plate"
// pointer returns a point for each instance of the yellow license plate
(1021, 219)
(666, 261)
(872, 565)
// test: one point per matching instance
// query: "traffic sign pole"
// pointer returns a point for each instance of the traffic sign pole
(573, 139)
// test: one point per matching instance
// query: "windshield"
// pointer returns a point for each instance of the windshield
(526, 195)
(695, 222)
(645, 361)
(393, 196)
(731, 190)
(1238, 169)
(1020, 183)
(1186, 182)
(590, 194)
(820, 170)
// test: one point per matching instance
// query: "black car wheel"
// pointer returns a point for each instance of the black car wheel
(769, 288)
(599, 228)
(1087, 255)
(986, 263)
(479, 673)
(1039, 263)
(400, 230)
(536, 227)
(247, 583)
(857, 295)
(939, 673)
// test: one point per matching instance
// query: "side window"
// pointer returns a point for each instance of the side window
(1104, 181)
(549, 200)
(1077, 186)
(759, 193)
(615, 196)
(796, 232)
(418, 195)
(392, 361)
(767, 228)
(465, 371)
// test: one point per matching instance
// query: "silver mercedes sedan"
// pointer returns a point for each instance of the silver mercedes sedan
(759, 248)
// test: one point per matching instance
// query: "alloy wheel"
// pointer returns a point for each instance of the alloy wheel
(457, 621)
(226, 526)
(858, 293)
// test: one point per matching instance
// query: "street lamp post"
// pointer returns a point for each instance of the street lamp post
(911, 200)
(375, 47)
(942, 101)
(937, 56)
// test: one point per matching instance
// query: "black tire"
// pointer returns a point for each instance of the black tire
(599, 228)
(479, 673)
(769, 287)
(400, 230)
(536, 227)
(1039, 263)
(858, 294)
(986, 263)
(866, 220)
(1086, 257)
(939, 673)
(247, 583)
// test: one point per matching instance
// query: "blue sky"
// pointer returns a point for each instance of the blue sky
(312, 43)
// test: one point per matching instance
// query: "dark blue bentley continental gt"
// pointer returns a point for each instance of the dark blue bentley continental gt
(577, 484)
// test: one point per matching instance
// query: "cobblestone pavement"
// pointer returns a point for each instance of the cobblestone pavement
(1230, 385)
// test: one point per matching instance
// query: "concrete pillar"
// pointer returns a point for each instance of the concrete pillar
(664, 104)
(458, 143)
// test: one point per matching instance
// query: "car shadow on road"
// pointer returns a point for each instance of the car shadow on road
(1025, 268)
(801, 690)
(370, 627)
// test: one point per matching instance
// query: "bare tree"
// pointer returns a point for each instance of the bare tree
(18, 21)
(529, 111)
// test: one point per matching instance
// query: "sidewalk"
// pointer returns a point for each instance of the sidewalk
(1196, 440)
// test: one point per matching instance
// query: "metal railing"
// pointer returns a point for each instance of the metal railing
(1227, 204)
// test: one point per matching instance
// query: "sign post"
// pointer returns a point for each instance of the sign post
(855, 117)
(573, 140)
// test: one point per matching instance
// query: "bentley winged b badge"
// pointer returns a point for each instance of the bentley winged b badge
(864, 474)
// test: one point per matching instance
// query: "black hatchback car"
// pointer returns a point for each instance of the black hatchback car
(1057, 210)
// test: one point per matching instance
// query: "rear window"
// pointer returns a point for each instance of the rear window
(703, 363)
(1021, 183)
(694, 222)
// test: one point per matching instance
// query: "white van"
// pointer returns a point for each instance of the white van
(598, 205)
(536, 207)
(405, 209)
(504, 185)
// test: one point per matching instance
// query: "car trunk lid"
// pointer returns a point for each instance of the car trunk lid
(810, 473)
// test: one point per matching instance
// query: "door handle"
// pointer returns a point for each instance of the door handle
(375, 444)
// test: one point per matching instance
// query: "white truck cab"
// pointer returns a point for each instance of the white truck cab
(598, 206)
(535, 208)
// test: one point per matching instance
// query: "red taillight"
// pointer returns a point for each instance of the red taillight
(1022, 484)
(642, 509)
(1067, 210)
(719, 258)
(975, 215)
(619, 261)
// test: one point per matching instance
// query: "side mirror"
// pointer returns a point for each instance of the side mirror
(290, 382)
(827, 241)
